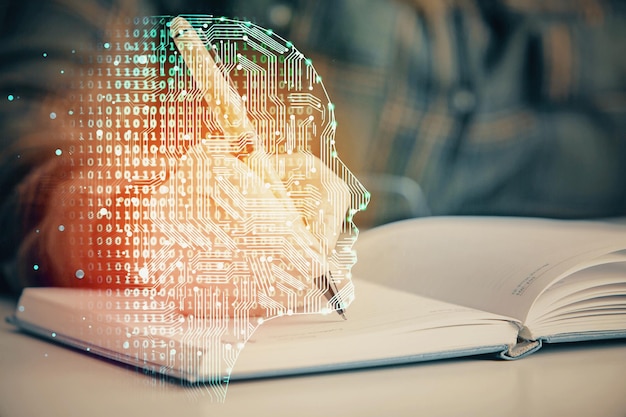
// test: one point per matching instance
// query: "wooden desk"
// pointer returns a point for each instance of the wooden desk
(38, 378)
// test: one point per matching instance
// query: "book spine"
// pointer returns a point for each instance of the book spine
(521, 349)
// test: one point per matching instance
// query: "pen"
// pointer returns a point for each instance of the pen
(333, 292)
(196, 56)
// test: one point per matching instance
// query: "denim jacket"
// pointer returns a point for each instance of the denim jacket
(472, 107)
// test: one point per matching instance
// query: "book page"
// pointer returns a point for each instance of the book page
(494, 264)
(596, 281)
(575, 306)
(383, 326)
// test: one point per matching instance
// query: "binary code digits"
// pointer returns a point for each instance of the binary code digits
(202, 176)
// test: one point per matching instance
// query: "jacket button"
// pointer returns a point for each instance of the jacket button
(463, 100)
(280, 15)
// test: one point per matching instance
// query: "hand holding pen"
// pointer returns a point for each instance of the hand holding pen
(248, 153)
(223, 226)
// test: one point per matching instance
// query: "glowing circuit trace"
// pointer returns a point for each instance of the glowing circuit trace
(204, 174)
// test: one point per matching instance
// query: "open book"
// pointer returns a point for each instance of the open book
(425, 289)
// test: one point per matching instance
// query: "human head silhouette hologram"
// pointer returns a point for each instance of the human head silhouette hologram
(203, 172)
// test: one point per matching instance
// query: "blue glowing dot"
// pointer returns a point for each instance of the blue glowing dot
(45, 54)
(269, 32)
(106, 45)
(58, 152)
(70, 112)
(308, 61)
(62, 71)
(61, 228)
(10, 97)
(36, 267)
(80, 274)
(331, 106)
(54, 334)
(289, 44)
(20, 309)
(53, 115)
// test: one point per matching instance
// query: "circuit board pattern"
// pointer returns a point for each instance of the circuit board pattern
(202, 173)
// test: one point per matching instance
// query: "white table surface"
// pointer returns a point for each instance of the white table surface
(38, 378)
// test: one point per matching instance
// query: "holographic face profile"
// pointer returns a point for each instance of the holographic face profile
(203, 170)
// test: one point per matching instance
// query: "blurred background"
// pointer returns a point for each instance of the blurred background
(444, 107)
